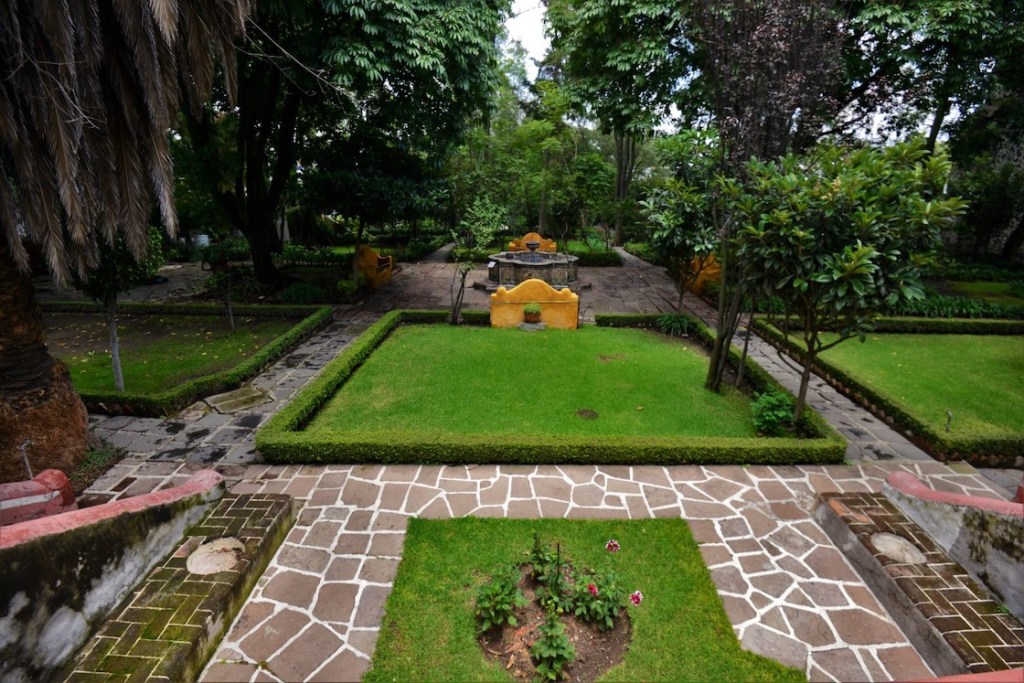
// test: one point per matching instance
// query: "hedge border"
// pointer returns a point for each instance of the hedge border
(985, 451)
(172, 400)
(282, 440)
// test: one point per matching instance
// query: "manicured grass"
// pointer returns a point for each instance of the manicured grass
(680, 631)
(979, 378)
(994, 292)
(158, 352)
(444, 380)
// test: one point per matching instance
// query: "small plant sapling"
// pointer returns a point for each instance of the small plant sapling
(496, 600)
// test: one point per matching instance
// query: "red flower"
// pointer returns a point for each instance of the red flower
(636, 598)
(612, 546)
(592, 588)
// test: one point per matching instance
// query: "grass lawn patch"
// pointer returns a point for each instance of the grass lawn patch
(591, 381)
(439, 393)
(171, 355)
(979, 378)
(994, 292)
(679, 632)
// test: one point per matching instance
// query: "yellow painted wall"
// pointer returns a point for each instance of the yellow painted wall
(559, 309)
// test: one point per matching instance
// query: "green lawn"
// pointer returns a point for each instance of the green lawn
(158, 352)
(445, 380)
(680, 631)
(595, 245)
(980, 378)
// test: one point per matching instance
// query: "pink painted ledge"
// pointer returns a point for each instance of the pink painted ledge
(907, 483)
(1008, 676)
(200, 482)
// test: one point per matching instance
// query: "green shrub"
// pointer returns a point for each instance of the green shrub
(773, 413)
(597, 259)
(966, 271)
(676, 325)
(496, 600)
(552, 651)
(1016, 288)
(939, 306)
(598, 598)
(303, 293)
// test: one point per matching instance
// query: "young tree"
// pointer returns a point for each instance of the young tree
(837, 235)
(621, 62)
(477, 230)
(118, 271)
(88, 90)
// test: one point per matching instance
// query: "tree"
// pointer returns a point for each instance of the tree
(118, 271)
(768, 68)
(416, 70)
(837, 236)
(621, 62)
(88, 90)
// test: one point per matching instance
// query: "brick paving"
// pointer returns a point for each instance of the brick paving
(314, 615)
(943, 595)
(162, 631)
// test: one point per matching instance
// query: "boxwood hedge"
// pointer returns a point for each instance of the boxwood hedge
(996, 450)
(283, 440)
(175, 398)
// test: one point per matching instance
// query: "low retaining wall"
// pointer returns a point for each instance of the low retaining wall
(48, 493)
(63, 574)
(986, 537)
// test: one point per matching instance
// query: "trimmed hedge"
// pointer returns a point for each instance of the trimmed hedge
(984, 451)
(597, 259)
(166, 402)
(283, 440)
(910, 325)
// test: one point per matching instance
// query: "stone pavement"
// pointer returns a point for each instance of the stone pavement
(315, 613)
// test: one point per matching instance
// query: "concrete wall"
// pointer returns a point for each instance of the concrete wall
(985, 536)
(63, 574)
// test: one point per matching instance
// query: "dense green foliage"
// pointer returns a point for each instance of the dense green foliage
(679, 633)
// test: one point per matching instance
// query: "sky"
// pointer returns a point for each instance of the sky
(527, 26)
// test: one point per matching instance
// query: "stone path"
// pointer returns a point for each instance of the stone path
(789, 593)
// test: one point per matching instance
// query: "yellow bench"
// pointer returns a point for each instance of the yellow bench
(558, 309)
(374, 267)
(545, 244)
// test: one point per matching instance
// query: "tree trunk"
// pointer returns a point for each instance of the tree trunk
(940, 115)
(37, 401)
(805, 380)
(1014, 241)
(110, 309)
(625, 164)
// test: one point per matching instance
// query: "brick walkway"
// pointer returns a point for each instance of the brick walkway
(788, 591)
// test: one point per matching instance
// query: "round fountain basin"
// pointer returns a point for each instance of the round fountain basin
(510, 268)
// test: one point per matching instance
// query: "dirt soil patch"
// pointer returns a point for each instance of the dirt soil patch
(596, 651)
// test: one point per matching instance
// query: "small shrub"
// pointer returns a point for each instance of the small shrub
(532, 308)
(677, 325)
(773, 413)
(1016, 288)
(346, 289)
(496, 600)
(597, 598)
(302, 293)
(552, 652)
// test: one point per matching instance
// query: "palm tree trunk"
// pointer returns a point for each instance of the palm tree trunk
(110, 308)
(37, 401)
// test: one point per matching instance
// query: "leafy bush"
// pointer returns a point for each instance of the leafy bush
(676, 325)
(496, 600)
(773, 413)
(303, 293)
(230, 249)
(302, 255)
(553, 651)
(1016, 288)
(939, 306)
(966, 271)
(597, 259)
(597, 598)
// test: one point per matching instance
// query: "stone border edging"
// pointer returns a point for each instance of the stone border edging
(203, 482)
(910, 485)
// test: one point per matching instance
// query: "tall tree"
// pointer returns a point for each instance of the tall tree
(418, 69)
(769, 67)
(88, 91)
(621, 62)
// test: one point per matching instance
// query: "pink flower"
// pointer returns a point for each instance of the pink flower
(612, 546)
(592, 588)
(636, 598)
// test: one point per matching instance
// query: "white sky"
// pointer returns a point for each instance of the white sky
(527, 26)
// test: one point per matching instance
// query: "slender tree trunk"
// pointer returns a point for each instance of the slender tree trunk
(625, 164)
(746, 345)
(1015, 240)
(940, 116)
(110, 310)
(805, 380)
(37, 401)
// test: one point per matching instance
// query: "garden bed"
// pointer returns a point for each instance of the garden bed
(679, 631)
(912, 380)
(172, 355)
(506, 396)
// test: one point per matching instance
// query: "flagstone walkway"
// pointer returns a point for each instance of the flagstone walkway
(316, 612)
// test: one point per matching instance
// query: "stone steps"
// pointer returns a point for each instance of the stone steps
(170, 625)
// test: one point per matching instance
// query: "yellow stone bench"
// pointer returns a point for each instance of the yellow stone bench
(374, 267)
(558, 309)
(545, 244)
